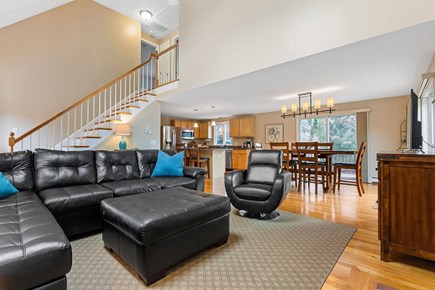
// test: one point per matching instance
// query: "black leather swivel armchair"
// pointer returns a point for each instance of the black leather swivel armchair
(260, 189)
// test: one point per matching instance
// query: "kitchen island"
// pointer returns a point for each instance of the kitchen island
(217, 160)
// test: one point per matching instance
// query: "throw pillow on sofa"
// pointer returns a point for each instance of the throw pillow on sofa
(168, 165)
(6, 188)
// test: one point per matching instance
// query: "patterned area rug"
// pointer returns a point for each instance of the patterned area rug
(292, 252)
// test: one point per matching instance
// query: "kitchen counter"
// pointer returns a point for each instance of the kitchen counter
(217, 160)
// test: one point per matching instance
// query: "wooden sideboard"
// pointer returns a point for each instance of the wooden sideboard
(406, 204)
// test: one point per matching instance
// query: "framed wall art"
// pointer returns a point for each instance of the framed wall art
(274, 133)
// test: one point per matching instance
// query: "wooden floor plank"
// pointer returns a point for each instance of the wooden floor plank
(363, 251)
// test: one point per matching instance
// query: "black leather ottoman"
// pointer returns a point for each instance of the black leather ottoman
(153, 231)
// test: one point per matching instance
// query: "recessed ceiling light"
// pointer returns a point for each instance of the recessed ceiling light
(146, 14)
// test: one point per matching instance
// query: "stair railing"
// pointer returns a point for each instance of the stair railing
(97, 111)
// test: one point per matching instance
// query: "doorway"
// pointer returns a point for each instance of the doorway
(148, 75)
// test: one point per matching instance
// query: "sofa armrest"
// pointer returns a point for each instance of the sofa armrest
(235, 178)
(282, 184)
(193, 172)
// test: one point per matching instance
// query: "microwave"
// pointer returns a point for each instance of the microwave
(187, 135)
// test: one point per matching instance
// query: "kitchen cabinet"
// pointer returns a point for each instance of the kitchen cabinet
(234, 127)
(240, 158)
(242, 127)
(204, 131)
(190, 125)
(406, 198)
(185, 124)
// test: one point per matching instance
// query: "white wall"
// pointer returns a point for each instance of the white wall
(220, 39)
(150, 116)
(50, 61)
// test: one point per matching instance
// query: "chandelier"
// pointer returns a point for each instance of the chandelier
(306, 106)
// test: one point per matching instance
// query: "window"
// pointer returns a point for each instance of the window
(340, 129)
(222, 134)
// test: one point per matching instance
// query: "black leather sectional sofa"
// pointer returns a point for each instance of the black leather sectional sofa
(60, 196)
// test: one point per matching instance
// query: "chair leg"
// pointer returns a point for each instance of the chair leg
(300, 181)
(323, 179)
(316, 180)
(335, 179)
(208, 168)
(358, 185)
(361, 182)
(339, 178)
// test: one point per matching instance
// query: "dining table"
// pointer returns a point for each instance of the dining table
(327, 155)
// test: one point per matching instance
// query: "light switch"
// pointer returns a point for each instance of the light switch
(153, 142)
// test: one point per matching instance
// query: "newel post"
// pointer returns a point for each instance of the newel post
(11, 141)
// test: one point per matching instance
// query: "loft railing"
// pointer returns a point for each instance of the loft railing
(101, 109)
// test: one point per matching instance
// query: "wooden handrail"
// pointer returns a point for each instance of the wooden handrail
(13, 140)
(16, 140)
(168, 49)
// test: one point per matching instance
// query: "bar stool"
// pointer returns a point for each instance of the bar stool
(195, 159)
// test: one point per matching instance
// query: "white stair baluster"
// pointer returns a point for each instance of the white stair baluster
(54, 133)
(75, 126)
(61, 131)
(87, 118)
(81, 124)
(105, 100)
(99, 107)
(67, 129)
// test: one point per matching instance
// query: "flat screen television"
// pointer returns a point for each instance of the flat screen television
(414, 123)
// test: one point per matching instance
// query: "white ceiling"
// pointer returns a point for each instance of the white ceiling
(384, 66)
(12, 11)
(164, 21)
(165, 14)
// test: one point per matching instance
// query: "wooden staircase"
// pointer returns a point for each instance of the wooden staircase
(91, 120)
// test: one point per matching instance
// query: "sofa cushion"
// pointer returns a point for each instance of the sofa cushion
(17, 167)
(147, 159)
(168, 182)
(66, 199)
(134, 186)
(169, 165)
(33, 248)
(254, 191)
(116, 165)
(55, 168)
(264, 166)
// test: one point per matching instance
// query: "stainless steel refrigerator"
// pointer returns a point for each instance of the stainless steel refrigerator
(170, 137)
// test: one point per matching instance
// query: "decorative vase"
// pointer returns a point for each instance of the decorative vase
(122, 144)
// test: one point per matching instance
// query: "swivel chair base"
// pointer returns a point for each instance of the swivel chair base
(260, 216)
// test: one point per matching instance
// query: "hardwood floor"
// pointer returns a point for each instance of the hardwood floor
(362, 255)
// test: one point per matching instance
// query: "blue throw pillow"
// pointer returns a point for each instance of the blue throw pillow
(6, 188)
(169, 165)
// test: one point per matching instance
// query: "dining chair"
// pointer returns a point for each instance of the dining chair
(357, 166)
(194, 158)
(308, 163)
(326, 159)
(181, 147)
(287, 161)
